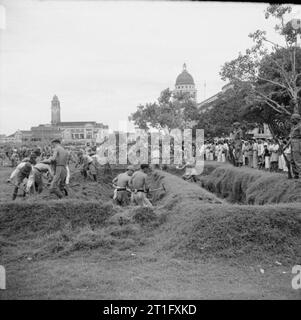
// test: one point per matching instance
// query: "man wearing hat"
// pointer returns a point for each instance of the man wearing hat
(121, 183)
(295, 140)
(60, 158)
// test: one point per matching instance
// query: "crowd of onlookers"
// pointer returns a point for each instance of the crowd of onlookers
(255, 153)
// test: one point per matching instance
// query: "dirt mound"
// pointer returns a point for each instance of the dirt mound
(249, 186)
(180, 193)
(233, 231)
(198, 224)
(31, 219)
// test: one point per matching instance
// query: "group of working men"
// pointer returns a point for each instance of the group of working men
(132, 187)
(55, 168)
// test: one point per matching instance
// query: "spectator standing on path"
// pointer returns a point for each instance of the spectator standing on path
(237, 139)
(260, 151)
(266, 157)
(274, 147)
(295, 142)
(255, 154)
(250, 154)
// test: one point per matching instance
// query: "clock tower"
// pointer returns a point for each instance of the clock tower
(55, 111)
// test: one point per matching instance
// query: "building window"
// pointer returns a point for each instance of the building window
(89, 133)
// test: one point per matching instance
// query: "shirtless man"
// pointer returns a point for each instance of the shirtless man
(121, 183)
(139, 187)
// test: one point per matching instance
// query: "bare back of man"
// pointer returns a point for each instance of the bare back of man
(121, 183)
(139, 187)
(122, 180)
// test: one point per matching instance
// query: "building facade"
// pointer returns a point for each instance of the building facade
(74, 132)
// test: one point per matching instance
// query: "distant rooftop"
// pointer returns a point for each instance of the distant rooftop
(79, 123)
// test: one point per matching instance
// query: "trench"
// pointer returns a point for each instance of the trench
(247, 186)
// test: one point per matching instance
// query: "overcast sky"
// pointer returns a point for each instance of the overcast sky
(103, 58)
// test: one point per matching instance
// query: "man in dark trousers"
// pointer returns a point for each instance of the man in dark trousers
(295, 140)
(60, 159)
(23, 172)
(237, 140)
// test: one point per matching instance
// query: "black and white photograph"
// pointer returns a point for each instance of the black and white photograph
(150, 150)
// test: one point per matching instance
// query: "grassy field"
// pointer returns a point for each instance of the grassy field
(191, 245)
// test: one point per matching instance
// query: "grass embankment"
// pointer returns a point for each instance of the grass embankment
(249, 186)
(187, 221)
(57, 228)
(201, 225)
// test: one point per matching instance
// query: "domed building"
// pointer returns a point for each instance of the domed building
(185, 83)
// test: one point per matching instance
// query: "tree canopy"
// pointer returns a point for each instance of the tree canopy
(169, 112)
(272, 73)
